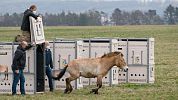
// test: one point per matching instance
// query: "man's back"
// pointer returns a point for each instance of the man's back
(19, 59)
(25, 22)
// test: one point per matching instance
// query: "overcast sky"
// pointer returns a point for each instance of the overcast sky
(144, 1)
(88, 0)
(55, 6)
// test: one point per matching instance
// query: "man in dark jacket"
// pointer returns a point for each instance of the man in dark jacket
(48, 65)
(25, 27)
(18, 66)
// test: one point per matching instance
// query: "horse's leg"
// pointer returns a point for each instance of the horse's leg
(71, 79)
(68, 85)
(99, 84)
(5, 74)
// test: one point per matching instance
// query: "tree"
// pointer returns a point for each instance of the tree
(137, 17)
(83, 19)
(16, 19)
(169, 14)
(126, 18)
(97, 18)
(94, 17)
(151, 18)
(72, 19)
(176, 14)
(117, 17)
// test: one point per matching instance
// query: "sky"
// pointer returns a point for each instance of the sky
(143, 1)
(89, 0)
(56, 6)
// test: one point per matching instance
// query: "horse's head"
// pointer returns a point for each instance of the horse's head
(120, 62)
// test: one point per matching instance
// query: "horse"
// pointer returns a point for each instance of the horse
(4, 69)
(92, 68)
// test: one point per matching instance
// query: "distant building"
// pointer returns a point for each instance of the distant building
(106, 21)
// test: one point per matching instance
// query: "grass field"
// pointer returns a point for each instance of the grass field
(166, 63)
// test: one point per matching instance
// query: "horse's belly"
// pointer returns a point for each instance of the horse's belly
(2, 70)
(88, 75)
(88, 69)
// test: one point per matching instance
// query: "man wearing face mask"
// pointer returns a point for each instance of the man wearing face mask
(49, 64)
(25, 27)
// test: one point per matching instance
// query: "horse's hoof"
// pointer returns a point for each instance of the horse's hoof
(96, 92)
(65, 91)
(91, 91)
(70, 91)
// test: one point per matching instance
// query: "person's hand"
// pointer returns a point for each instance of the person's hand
(16, 71)
(33, 43)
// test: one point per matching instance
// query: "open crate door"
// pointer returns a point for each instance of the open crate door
(37, 31)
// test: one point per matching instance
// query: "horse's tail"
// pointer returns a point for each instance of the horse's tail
(61, 73)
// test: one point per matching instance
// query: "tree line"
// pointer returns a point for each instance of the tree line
(98, 18)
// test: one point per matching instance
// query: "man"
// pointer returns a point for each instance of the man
(25, 27)
(49, 65)
(18, 66)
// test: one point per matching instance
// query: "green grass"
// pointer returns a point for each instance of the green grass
(166, 62)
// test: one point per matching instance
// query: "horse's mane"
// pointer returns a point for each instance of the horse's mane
(111, 54)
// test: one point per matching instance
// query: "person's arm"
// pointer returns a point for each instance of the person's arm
(17, 56)
(33, 15)
(28, 47)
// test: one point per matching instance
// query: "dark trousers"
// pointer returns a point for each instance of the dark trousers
(49, 75)
(16, 78)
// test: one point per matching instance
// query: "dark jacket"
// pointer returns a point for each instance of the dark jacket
(19, 59)
(48, 56)
(26, 22)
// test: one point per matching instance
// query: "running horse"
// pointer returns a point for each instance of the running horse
(92, 68)
(4, 69)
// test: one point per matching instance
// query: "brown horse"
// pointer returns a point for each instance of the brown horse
(91, 68)
(4, 69)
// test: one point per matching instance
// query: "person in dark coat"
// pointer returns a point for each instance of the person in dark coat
(49, 64)
(25, 27)
(18, 66)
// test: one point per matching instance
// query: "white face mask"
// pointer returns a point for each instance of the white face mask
(48, 47)
(34, 12)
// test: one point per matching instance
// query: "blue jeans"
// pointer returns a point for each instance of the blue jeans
(16, 78)
(49, 75)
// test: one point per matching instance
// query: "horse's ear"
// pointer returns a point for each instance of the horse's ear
(121, 54)
(103, 55)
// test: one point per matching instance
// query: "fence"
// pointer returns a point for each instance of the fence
(138, 53)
